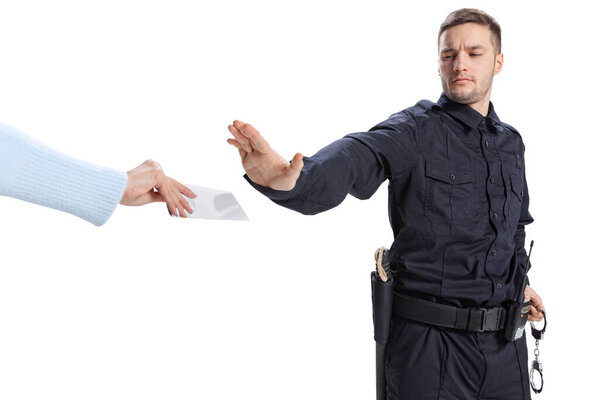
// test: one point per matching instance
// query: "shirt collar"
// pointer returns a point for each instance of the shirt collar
(464, 113)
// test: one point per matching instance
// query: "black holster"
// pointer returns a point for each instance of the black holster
(382, 295)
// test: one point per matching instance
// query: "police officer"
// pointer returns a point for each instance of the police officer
(458, 206)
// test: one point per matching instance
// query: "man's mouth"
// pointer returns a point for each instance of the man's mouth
(461, 80)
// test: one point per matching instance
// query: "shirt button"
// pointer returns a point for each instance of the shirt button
(452, 176)
(499, 285)
(492, 179)
(494, 252)
(487, 144)
(522, 193)
(495, 215)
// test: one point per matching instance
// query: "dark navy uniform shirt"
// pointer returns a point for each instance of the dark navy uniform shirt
(458, 199)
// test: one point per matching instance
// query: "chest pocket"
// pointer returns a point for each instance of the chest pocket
(515, 198)
(449, 192)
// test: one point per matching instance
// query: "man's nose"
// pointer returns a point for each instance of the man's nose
(460, 62)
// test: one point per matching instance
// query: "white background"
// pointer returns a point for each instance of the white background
(153, 307)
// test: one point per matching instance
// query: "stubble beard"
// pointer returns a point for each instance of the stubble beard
(472, 96)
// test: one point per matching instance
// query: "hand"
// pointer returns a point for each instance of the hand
(142, 181)
(536, 305)
(262, 164)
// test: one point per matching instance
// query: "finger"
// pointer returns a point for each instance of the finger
(257, 141)
(184, 189)
(538, 311)
(241, 139)
(178, 202)
(182, 205)
(535, 315)
(235, 143)
(239, 136)
(235, 131)
(238, 125)
(535, 319)
(172, 210)
(178, 212)
(182, 212)
(186, 205)
(171, 194)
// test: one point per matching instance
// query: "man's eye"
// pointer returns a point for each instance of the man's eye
(447, 57)
(475, 54)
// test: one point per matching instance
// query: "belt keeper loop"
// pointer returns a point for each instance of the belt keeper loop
(501, 318)
(491, 319)
(462, 319)
(476, 319)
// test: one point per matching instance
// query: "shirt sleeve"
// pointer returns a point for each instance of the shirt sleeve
(525, 218)
(357, 164)
(33, 172)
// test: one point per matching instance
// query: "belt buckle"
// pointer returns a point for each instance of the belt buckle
(477, 317)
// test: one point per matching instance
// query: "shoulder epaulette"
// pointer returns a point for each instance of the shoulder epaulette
(510, 127)
(426, 104)
(419, 108)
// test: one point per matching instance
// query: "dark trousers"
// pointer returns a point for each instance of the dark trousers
(429, 363)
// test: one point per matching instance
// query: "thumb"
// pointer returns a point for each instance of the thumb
(296, 164)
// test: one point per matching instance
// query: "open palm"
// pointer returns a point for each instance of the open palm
(262, 164)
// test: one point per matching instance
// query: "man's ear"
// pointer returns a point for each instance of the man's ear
(498, 63)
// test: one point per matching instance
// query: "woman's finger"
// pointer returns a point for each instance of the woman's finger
(183, 189)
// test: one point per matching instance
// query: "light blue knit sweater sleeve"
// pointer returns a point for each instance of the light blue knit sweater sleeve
(33, 172)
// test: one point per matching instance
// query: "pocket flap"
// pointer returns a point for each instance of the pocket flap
(449, 173)
(516, 184)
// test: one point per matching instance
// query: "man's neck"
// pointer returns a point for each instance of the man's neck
(482, 106)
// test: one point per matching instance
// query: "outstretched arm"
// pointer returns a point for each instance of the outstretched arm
(33, 172)
(357, 164)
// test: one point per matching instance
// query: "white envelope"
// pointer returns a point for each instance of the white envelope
(214, 204)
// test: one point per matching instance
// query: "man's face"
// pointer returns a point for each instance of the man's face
(468, 63)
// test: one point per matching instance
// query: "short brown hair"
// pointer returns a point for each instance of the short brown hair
(466, 15)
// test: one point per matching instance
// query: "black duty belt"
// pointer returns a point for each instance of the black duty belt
(470, 319)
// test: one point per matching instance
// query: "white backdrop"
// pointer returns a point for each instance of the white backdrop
(152, 307)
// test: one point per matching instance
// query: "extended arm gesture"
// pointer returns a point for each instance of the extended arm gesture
(262, 164)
